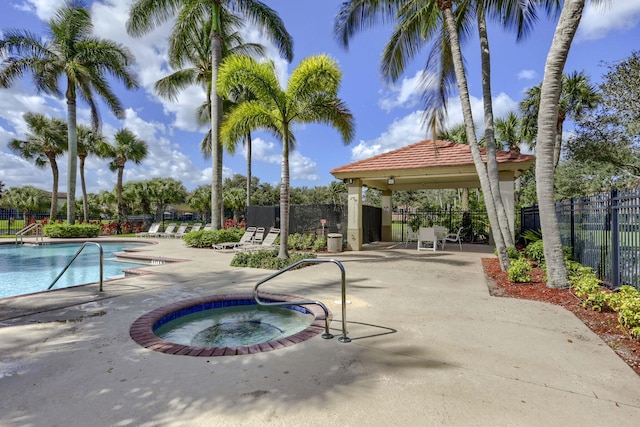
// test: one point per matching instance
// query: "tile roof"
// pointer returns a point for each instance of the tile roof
(426, 154)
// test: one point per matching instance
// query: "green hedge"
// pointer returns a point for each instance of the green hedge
(208, 238)
(267, 259)
(67, 231)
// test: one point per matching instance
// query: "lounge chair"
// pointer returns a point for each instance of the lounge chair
(267, 243)
(153, 229)
(196, 227)
(247, 238)
(167, 231)
(208, 226)
(181, 231)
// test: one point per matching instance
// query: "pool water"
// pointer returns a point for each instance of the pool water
(235, 326)
(26, 269)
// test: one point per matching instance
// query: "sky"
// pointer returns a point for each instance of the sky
(387, 116)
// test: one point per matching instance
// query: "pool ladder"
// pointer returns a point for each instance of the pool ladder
(327, 335)
(36, 227)
(76, 256)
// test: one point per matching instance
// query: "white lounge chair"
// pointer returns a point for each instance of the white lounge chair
(196, 227)
(246, 239)
(153, 229)
(167, 231)
(208, 226)
(427, 239)
(267, 243)
(412, 236)
(453, 237)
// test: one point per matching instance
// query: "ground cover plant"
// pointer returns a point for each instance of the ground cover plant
(68, 231)
(613, 316)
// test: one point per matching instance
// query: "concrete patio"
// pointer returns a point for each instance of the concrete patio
(430, 347)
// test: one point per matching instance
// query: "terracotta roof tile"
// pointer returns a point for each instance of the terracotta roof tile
(425, 154)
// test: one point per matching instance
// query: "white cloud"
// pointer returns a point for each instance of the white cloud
(527, 75)
(406, 94)
(302, 168)
(598, 21)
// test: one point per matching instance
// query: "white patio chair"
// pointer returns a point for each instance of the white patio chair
(453, 237)
(427, 239)
(153, 229)
(246, 239)
(412, 236)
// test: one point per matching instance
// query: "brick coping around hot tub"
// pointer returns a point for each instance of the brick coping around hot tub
(142, 329)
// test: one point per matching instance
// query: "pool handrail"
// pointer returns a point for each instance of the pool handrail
(76, 256)
(344, 338)
(38, 232)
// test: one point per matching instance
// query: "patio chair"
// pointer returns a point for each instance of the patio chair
(246, 239)
(267, 243)
(196, 227)
(453, 237)
(153, 229)
(208, 226)
(182, 230)
(427, 239)
(412, 236)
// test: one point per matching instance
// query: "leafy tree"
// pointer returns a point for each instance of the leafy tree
(145, 15)
(71, 54)
(127, 147)
(621, 91)
(164, 192)
(88, 144)
(200, 200)
(44, 142)
(1, 188)
(310, 96)
(235, 199)
(27, 199)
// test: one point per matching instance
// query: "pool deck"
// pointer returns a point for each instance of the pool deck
(430, 347)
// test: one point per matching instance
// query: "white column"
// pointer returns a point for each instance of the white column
(387, 220)
(508, 199)
(354, 224)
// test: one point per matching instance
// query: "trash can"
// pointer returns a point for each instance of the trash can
(334, 242)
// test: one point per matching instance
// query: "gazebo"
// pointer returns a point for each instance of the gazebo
(423, 165)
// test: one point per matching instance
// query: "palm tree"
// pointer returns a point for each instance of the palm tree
(88, 143)
(27, 199)
(43, 144)
(310, 96)
(235, 199)
(145, 15)
(509, 135)
(127, 147)
(577, 97)
(71, 54)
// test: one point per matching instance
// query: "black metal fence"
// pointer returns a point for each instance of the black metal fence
(325, 218)
(475, 223)
(603, 231)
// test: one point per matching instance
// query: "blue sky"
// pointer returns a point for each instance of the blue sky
(387, 117)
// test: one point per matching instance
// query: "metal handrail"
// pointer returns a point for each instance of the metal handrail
(28, 228)
(344, 338)
(76, 256)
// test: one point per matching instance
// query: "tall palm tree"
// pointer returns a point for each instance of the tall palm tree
(577, 97)
(44, 142)
(27, 199)
(310, 96)
(127, 147)
(69, 54)
(508, 136)
(145, 15)
(88, 145)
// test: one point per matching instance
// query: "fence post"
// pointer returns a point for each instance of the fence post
(573, 229)
(615, 240)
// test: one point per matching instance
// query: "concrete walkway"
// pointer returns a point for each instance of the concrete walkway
(429, 347)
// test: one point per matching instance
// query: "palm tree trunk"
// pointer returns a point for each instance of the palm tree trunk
(249, 169)
(284, 197)
(492, 162)
(217, 206)
(53, 213)
(471, 136)
(546, 139)
(119, 190)
(85, 206)
(73, 154)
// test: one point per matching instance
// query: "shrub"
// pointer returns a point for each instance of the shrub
(535, 251)
(531, 236)
(319, 244)
(67, 231)
(300, 242)
(207, 238)
(267, 259)
(512, 252)
(519, 271)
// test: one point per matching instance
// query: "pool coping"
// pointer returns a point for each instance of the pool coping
(141, 330)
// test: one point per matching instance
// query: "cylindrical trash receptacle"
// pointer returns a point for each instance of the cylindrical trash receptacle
(334, 242)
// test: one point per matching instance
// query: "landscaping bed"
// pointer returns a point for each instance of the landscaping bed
(604, 324)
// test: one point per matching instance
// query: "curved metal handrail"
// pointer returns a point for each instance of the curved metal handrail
(327, 334)
(76, 256)
(28, 228)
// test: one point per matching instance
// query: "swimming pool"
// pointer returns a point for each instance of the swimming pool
(26, 269)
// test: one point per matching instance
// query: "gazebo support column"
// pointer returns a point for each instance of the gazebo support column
(354, 224)
(508, 199)
(386, 216)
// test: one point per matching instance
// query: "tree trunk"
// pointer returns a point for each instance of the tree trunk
(249, 169)
(72, 154)
(217, 206)
(492, 162)
(85, 205)
(546, 139)
(471, 137)
(53, 213)
(119, 191)
(284, 197)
